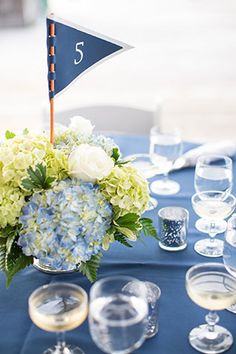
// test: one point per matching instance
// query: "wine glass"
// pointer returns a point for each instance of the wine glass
(213, 173)
(165, 148)
(213, 207)
(229, 253)
(118, 317)
(59, 307)
(210, 286)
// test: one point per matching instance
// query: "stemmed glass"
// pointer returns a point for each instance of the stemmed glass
(59, 307)
(118, 316)
(229, 253)
(165, 148)
(213, 173)
(210, 286)
(213, 207)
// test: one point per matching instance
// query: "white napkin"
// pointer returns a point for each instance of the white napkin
(224, 147)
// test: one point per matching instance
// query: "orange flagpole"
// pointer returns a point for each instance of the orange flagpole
(52, 85)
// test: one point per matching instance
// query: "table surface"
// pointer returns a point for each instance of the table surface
(146, 261)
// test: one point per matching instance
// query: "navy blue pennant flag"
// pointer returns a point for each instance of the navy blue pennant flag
(73, 50)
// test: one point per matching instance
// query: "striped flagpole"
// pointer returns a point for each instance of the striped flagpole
(52, 79)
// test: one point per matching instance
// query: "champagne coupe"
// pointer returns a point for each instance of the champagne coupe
(59, 307)
(229, 254)
(118, 316)
(210, 286)
(165, 148)
(212, 207)
(213, 173)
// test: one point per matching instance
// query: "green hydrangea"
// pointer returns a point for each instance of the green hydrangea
(126, 189)
(11, 202)
(20, 152)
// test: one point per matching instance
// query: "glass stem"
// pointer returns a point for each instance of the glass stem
(212, 319)
(61, 344)
(165, 177)
(212, 231)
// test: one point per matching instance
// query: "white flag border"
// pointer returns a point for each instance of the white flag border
(124, 46)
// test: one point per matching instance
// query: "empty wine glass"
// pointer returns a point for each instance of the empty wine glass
(210, 286)
(212, 207)
(118, 317)
(165, 148)
(213, 173)
(59, 307)
(229, 253)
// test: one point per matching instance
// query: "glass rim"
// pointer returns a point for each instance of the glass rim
(227, 159)
(171, 131)
(160, 211)
(101, 281)
(207, 264)
(156, 287)
(54, 284)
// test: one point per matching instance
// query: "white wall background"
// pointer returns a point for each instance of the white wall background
(185, 54)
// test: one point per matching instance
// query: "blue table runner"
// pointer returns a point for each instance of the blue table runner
(146, 261)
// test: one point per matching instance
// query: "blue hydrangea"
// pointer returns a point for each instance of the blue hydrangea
(68, 140)
(65, 225)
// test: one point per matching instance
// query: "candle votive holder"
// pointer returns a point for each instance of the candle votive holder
(173, 223)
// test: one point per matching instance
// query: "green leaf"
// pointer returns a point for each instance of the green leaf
(89, 268)
(25, 131)
(38, 178)
(9, 135)
(115, 154)
(148, 228)
(127, 219)
(20, 263)
(121, 238)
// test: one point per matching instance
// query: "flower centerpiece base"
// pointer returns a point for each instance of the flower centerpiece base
(50, 270)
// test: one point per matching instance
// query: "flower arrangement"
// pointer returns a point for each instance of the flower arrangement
(65, 204)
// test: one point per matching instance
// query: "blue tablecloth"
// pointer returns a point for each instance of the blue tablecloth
(178, 314)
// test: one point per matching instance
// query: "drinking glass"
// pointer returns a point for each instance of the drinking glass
(59, 307)
(212, 207)
(118, 316)
(165, 148)
(153, 293)
(210, 286)
(213, 173)
(229, 253)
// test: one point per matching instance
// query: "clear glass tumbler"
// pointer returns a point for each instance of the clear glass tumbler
(117, 316)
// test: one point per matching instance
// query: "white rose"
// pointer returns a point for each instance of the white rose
(81, 125)
(89, 163)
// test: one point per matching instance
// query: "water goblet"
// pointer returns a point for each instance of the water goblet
(118, 317)
(59, 307)
(165, 148)
(212, 207)
(229, 253)
(211, 287)
(213, 173)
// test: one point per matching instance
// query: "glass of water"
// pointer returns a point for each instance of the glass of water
(229, 254)
(165, 148)
(117, 316)
(213, 173)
